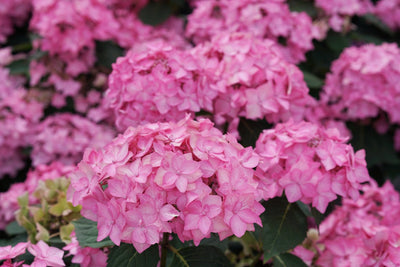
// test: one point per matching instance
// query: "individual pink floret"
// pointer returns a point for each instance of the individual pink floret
(265, 19)
(363, 82)
(8, 253)
(85, 256)
(64, 137)
(45, 255)
(183, 177)
(308, 163)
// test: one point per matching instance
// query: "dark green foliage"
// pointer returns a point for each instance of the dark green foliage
(284, 226)
(86, 232)
(126, 256)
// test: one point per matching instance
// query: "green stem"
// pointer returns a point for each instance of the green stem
(164, 248)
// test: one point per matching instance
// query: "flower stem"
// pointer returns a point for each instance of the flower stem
(164, 248)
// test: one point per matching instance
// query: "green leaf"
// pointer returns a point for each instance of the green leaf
(200, 256)
(302, 5)
(379, 148)
(378, 23)
(14, 228)
(249, 130)
(284, 226)
(312, 80)
(20, 66)
(216, 242)
(155, 13)
(337, 41)
(86, 232)
(107, 53)
(126, 256)
(288, 260)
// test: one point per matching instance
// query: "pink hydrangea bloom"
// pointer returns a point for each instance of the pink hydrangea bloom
(363, 232)
(184, 177)
(252, 80)
(69, 29)
(363, 82)
(158, 84)
(64, 137)
(265, 19)
(19, 112)
(338, 11)
(389, 12)
(45, 255)
(12, 13)
(87, 256)
(309, 163)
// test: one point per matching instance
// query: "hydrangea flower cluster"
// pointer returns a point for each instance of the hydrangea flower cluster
(183, 177)
(252, 80)
(12, 13)
(18, 113)
(43, 254)
(9, 200)
(233, 75)
(339, 12)
(364, 232)
(76, 132)
(159, 84)
(69, 29)
(309, 163)
(363, 81)
(389, 12)
(265, 19)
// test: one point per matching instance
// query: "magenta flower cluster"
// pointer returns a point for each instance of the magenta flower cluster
(265, 19)
(76, 132)
(183, 177)
(235, 75)
(363, 82)
(363, 232)
(19, 112)
(159, 84)
(309, 163)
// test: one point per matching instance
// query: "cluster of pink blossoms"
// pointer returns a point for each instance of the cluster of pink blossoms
(235, 75)
(160, 83)
(43, 255)
(9, 200)
(389, 12)
(365, 232)
(265, 19)
(63, 137)
(309, 163)
(12, 13)
(68, 31)
(18, 113)
(363, 82)
(252, 80)
(339, 12)
(185, 177)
